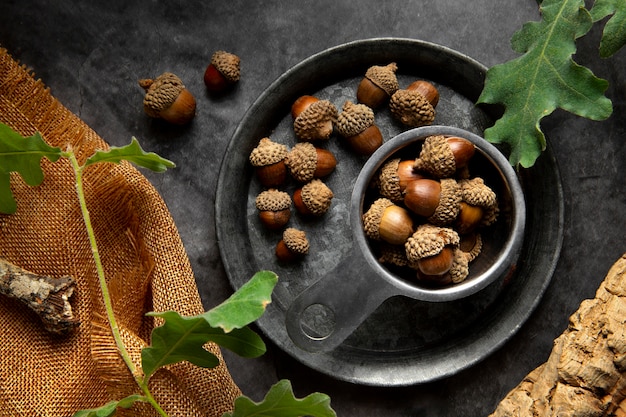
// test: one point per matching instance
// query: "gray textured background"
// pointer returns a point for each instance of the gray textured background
(91, 54)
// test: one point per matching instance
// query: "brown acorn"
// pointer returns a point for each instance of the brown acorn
(388, 222)
(313, 198)
(305, 162)
(313, 118)
(378, 84)
(479, 205)
(413, 106)
(274, 208)
(222, 72)
(394, 176)
(268, 158)
(292, 246)
(167, 98)
(431, 249)
(356, 124)
(438, 201)
(441, 156)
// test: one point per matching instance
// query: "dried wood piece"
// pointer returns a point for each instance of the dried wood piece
(585, 375)
(46, 296)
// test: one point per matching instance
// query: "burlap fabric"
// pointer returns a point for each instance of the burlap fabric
(42, 374)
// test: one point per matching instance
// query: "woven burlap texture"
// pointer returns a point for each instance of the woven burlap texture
(147, 268)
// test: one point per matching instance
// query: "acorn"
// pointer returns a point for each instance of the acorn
(268, 158)
(394, 176)
(441, 156)
(431, 249)
(378, 84)
(450, 258)
(313, 198)
(167, 98)
(292, 246)
(313, 118)
(274, 208)
(388, 222)
(356, 124)
(412, 106)
(438, 201)
(222, 72)
(305, 162)
(479, 206)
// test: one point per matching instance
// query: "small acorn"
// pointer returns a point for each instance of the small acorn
(167, 98)
(431, 249)
(222, 72)
(438, 201)
(292, 246)
(412, 106)
(313, 198)
(305, 162)
(451, 258)
(479, 206)
(394, 176)
(388, 222)
(441, 156)
(268, 158)
(356, 124)
(274, 208)
(378, 84)
(313, 118)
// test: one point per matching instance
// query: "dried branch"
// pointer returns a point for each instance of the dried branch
(46, 296)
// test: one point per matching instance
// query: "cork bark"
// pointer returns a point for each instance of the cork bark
(585, 374)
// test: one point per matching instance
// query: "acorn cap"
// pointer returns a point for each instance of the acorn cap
(475, 249)
(317, 197)
(460, 266)
(392, 255)
(429, 240)
(354, 119)
(296, 240)
(302, 161)
(476, 193)
(384, 77)
(273, 200)
(267, 152)
(160, 93)
(436, 157)
(449, 203)
(372, 217)
(389, 181)
(227, 64)
(309, 125)
(411, 108)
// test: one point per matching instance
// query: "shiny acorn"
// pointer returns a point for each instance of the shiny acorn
(313, 198)
(313, 118)
(222, 72)
(167, 98)
(293, 245)
(356, 124)
(378, 85)
(306, 161)
(388, 222)
(442, 156)
(268, 159)
(274, 208)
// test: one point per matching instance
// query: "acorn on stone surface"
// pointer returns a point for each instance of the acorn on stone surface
(412, 105)
(167, 98)
(274, 208)
(222, 72)
(356, 124)
(268, 158)
(438, 201)
(313, 118)
(431, 249)
(388, 222)
(378, 85)
(305, 162)
(479, 206)
(441, 156)
(292, 246)
(313, 198)
(394, 176)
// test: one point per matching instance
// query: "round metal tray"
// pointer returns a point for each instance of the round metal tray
(404, 341)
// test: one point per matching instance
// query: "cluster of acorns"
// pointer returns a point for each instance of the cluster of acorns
(429, 212)
(167, 98)
(314, 121)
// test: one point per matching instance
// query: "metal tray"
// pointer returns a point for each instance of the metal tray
(404, 341)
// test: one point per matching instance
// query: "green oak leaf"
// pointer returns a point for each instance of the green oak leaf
(109, 408)
(543, 79)
(281, 402)
(614, 33)
(183, 338)
(132, 153)
(22, 155)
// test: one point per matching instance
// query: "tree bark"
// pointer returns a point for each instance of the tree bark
(46, 296)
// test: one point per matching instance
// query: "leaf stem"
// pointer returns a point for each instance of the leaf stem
(106, 296)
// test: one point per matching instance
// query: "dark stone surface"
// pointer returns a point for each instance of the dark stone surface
(91, 55)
